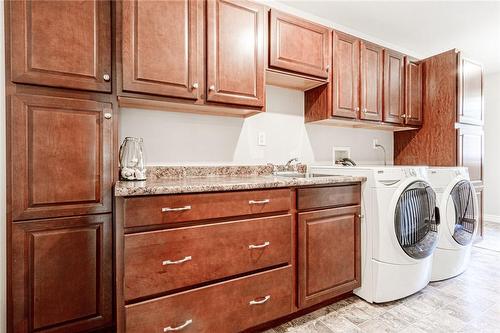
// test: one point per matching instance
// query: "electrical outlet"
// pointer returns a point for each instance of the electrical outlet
(261, 139)
(375, 143)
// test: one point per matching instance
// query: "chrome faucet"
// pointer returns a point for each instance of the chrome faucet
(289, 163)
(383, 148)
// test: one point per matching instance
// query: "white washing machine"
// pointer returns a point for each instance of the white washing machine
(458, 206)
(398, 231)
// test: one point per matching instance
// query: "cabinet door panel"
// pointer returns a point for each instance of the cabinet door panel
(345, 75)
(394, 86)
(470, 98)
(298, 45)
(61, 276)
(371, 81)
(61, 157)
(480, 204)
(61, 43)
(413, 83)
(471, 150)
(235, 52)
(160, 47)
(329, 254)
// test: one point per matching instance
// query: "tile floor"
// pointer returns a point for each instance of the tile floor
(491, 239)
(467, 303)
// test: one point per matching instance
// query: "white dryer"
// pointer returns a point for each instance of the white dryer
(457, 203)
(398, 231)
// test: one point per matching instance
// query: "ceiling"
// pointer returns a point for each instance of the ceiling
(424, 27)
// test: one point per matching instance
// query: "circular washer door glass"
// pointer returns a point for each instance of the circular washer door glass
(416, 220)
(462, 195)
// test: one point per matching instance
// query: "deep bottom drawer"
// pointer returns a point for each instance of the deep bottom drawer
(230, 306)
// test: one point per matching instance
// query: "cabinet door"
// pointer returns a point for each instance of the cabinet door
(161, 49)
(480, 204)
(61, 43)
(470, 152)
(61, 155)
(470, 97)
(61, 274)
(413, 83)
(394, 86)
(329, 254)
(345, 80)
(372, 62)
(235, 52)
(299, 46)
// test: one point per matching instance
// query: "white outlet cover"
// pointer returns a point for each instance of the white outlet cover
(261, 139)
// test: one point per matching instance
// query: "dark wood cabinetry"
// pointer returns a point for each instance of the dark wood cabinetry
(470, 150)
(61, 274)
(480, 203)
(61, 43)
(414, 92)
(61, 155)
(162, 47)
(345, 80)
(371, 71)
(394, 87)
(235, 52)
(298, 46)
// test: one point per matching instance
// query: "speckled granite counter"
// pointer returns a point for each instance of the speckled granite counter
(218, 179)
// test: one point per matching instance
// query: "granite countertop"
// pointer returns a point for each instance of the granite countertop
(215, 182)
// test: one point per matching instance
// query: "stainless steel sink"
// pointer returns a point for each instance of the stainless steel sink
(291, 174)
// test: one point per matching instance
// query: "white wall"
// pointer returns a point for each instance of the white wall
(177, 138)
(3, 242)
(492, 140)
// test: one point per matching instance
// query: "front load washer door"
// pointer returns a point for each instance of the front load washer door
(416, 220)
(463, 198)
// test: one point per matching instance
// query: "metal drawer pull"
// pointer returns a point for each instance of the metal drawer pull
(170, 262)
(251, 246)
(264, 300)
(178, 328)
(168, 209)
(258, 202)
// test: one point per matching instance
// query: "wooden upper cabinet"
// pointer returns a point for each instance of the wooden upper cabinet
(394, 87)
(162, 50)
(62, 274)
(414, 92)
(329, 254)
(470, 150)
(235, 52)
(61, 155)
(345, 80)
(61, 43)
(298, 45)
(371, 81)
(470, 94)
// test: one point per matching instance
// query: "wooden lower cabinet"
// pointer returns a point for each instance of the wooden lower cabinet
(230, 306)
(329, 254)
(61, 274)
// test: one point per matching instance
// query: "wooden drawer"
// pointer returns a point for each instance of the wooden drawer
(223, 307)
(203, 253)
(333, 196)
(165, 209)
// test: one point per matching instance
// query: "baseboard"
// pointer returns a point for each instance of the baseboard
(492, 218)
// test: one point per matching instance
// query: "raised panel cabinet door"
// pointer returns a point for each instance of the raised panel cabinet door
(470, 150)
(372, 62)
(394, 87)
(235, 52)
(329, 254)
(61, 274)
(162, 47)
(470, 97)
(480, 204)
(298, 45)
(61, 43)
(414, 90)
(61, 156)
(345, 81)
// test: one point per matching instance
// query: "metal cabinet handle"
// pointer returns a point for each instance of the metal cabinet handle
(195, 85)
(175, 262)
(178, 328)
(264, 300)
(178, 209)
(251, 246)
(106, 77)
(211, 88)
(258, 202)
(361, 216)
(107, 115)
(403, 116)
(327, 68)
(365, 110)
(356, 109)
